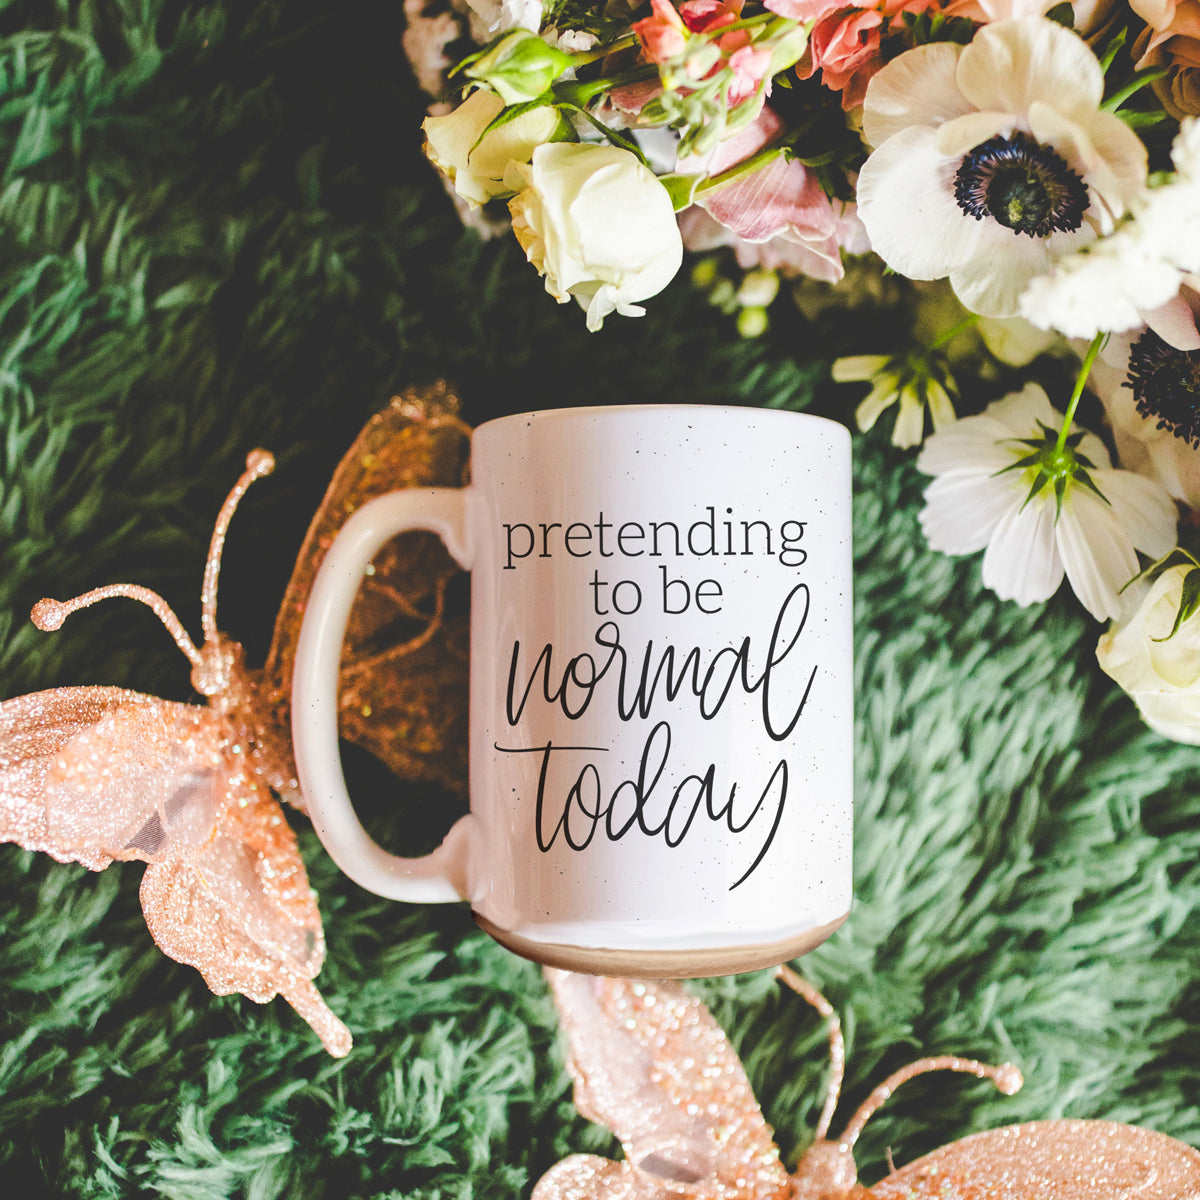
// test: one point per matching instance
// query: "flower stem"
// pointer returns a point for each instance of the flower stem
(1084, 371)
(590, 56)
(579, 94)
(968, 322)
(713, 182)
(749, 23)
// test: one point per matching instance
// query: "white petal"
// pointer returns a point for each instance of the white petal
(1176, 465)
(1093, 449)
(880, 397)
(962, 511)
(1175, 323)
(917, 88)
(910, 421)
(964, 133)
(856, 368)
(1021, 562)
(974, 445)
(1022, 412)
(1010, 64)
(906, 201)
(941, 408)
(1101, 147)
(1096, 552)
(1143, 509)
(992, 282)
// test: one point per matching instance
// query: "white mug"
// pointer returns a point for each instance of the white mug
(661, 691)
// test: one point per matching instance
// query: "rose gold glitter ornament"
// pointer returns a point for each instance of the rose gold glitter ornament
(96, 774)
(649, 1062)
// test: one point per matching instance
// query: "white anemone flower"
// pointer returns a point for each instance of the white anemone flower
(1000, 488)
(1116, 282)
(993, 160)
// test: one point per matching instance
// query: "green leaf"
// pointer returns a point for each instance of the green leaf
(681, 188)
(1064, 14)
(615, 136)
(1189, 602)
(505, 115)
(1139, 80)
(1178, 557)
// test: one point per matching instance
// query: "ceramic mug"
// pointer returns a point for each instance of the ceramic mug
(661, 688)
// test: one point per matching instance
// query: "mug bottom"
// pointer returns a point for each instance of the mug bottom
(659, 964)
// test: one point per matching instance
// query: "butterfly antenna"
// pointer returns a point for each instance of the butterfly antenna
(1006, 1077)
(837, 1044)
(50, 614)
(258, 464)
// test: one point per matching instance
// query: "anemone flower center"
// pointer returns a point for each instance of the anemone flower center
(1022, 184)
(1166, 385)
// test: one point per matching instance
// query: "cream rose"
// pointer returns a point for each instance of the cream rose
(477, 171)
(1161, 673)
(599, 225)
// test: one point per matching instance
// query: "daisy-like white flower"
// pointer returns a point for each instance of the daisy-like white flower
(1002, 486)
(993, 160)
(906, 381)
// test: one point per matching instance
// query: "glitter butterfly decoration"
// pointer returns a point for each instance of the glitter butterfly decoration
(650, 1063)
(99, 774)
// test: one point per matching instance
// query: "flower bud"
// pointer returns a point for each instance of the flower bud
(519, 67)
(477, 162)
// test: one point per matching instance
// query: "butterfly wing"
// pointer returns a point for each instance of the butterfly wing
(403, 692)
(587, 1177)
(649, 1062)
(94, 774)
(240, 910)
(1058, 1160)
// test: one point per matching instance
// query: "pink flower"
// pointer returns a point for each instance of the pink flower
(845, 45)
(845, 48)
(803, 10)
(663, 34)
(749, 66)
(777, 215)
(701, 16)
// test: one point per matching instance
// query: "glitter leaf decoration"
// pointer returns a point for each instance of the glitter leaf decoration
(649, 1062)
(95, 775)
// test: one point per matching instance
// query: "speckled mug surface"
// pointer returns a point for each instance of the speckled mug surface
(661, 713)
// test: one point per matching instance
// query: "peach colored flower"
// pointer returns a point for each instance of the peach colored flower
(845, 45)
(663, 34)
(1171, 40)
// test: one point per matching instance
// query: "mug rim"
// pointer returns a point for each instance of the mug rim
(601, 410)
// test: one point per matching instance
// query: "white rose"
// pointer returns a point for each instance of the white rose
(477, 171)
(1161, 673)
(599, 225)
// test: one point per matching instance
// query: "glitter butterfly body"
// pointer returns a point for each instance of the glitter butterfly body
(98, 774)
(649, 1062)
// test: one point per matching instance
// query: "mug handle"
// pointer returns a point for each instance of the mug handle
(433, 878)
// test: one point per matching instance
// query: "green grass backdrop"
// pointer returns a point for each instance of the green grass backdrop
(217, 231)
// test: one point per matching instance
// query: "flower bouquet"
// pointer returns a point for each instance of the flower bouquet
(1030, 172)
